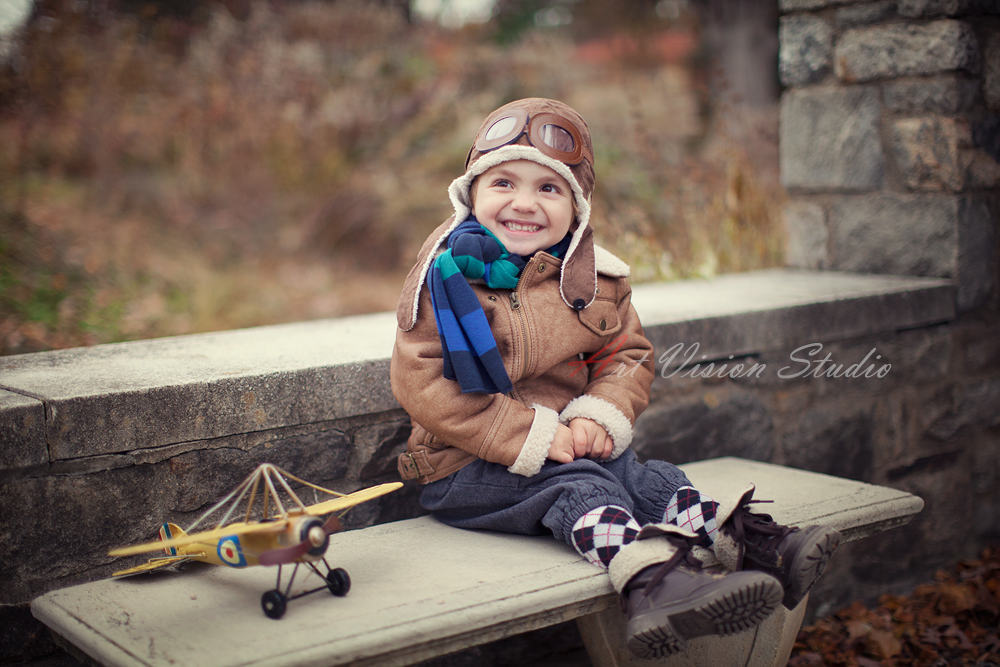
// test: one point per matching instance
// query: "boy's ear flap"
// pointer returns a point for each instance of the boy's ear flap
(579, 273)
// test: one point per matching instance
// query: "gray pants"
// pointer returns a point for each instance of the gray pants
(486, 496)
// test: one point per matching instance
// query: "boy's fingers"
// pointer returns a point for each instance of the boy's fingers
(580, 445)
(600, 446)
(609, 446)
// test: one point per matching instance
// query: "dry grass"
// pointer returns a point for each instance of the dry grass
(161, 177)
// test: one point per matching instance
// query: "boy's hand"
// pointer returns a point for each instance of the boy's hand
(582, 438)
(561, 449)
(590, 439)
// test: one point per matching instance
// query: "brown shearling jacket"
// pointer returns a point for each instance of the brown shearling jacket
(592, 362)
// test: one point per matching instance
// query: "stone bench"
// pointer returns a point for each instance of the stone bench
(422, 589)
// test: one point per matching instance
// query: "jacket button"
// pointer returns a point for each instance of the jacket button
(541, 267)
(579, 304)
(604, 325)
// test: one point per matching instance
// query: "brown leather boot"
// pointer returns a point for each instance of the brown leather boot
(671, 602)
(796, 556)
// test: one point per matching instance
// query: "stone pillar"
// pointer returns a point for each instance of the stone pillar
(890, 138)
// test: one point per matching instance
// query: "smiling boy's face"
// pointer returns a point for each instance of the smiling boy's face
(526, 205)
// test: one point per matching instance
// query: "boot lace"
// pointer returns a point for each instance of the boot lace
(762, 533)
(683, 554)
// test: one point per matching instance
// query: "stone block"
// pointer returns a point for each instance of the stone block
(895, 234)
(947, 154)
(991, 71)
(942, 532)
(109, 399)
(805, 49)
(746, 313)
(806, 235)
(947, 95)
(806, 5)
(22, 431)
(928, 152)
(923, 8)
(829, 139)
(889, 51)
(738, 424)
(974, 408)
(832, 439)
(983, 153)
(977, 265)
(378, 446)
(203, 476)
(864, 13)
(927, 235)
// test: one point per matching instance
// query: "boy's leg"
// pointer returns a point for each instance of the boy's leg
(662, 493)
(754, 541)
(486, 496)
(739, 538)
(670, 599)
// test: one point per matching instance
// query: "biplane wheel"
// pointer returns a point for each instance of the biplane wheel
(274, 604)
(338, 581)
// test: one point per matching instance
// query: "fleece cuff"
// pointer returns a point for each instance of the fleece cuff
(604, 413)
(650, 547)
(536, 446)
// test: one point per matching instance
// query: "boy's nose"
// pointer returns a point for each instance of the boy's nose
(524, 201)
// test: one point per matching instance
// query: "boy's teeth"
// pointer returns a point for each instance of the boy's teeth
(513, 226)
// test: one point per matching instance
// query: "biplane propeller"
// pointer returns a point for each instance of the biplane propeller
(294, 535)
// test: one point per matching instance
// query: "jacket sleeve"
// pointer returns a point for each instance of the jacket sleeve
(493, 427)
(620, 378)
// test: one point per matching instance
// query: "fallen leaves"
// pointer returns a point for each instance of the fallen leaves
(954, 621)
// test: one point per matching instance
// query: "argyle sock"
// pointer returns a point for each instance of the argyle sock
(601, 532)
(695, 511)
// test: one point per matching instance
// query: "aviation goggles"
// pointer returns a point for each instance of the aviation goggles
(553, 135)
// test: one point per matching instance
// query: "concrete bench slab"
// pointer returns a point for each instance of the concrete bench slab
(420, 589)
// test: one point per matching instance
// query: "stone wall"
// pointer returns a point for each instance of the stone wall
(890, 142)
(890, 138)
(930, 426)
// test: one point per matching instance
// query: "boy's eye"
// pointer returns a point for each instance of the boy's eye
(549, 187)
(501, 183)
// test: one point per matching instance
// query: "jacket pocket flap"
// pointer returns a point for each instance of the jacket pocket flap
(601, 317)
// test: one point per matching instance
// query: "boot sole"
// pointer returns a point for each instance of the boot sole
(742, 603)
(809, 564)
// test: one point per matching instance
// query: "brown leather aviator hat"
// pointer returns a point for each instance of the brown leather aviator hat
(552, 127)
(549, 133)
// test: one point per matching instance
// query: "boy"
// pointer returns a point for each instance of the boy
(517, 428)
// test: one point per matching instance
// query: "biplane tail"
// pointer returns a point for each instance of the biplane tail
(170, 531)
(174, 557)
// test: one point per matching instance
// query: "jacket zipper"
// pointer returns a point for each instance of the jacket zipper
(522, 323)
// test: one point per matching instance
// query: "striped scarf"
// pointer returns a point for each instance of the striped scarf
(470, 351)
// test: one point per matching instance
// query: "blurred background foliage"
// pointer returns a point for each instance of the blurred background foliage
(186, 166)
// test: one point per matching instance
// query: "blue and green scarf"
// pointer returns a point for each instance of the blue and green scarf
(470, 351)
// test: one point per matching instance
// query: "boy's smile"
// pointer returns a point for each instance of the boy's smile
(526, 205)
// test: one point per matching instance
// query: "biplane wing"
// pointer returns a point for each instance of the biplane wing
(154, 564)
(210, 537)
(206, 537)
(352, 499)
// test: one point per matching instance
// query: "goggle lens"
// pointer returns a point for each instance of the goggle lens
(556, 137)
(548, 132)
(501, 128)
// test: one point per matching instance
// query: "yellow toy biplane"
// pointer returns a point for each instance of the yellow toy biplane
(294, 535)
